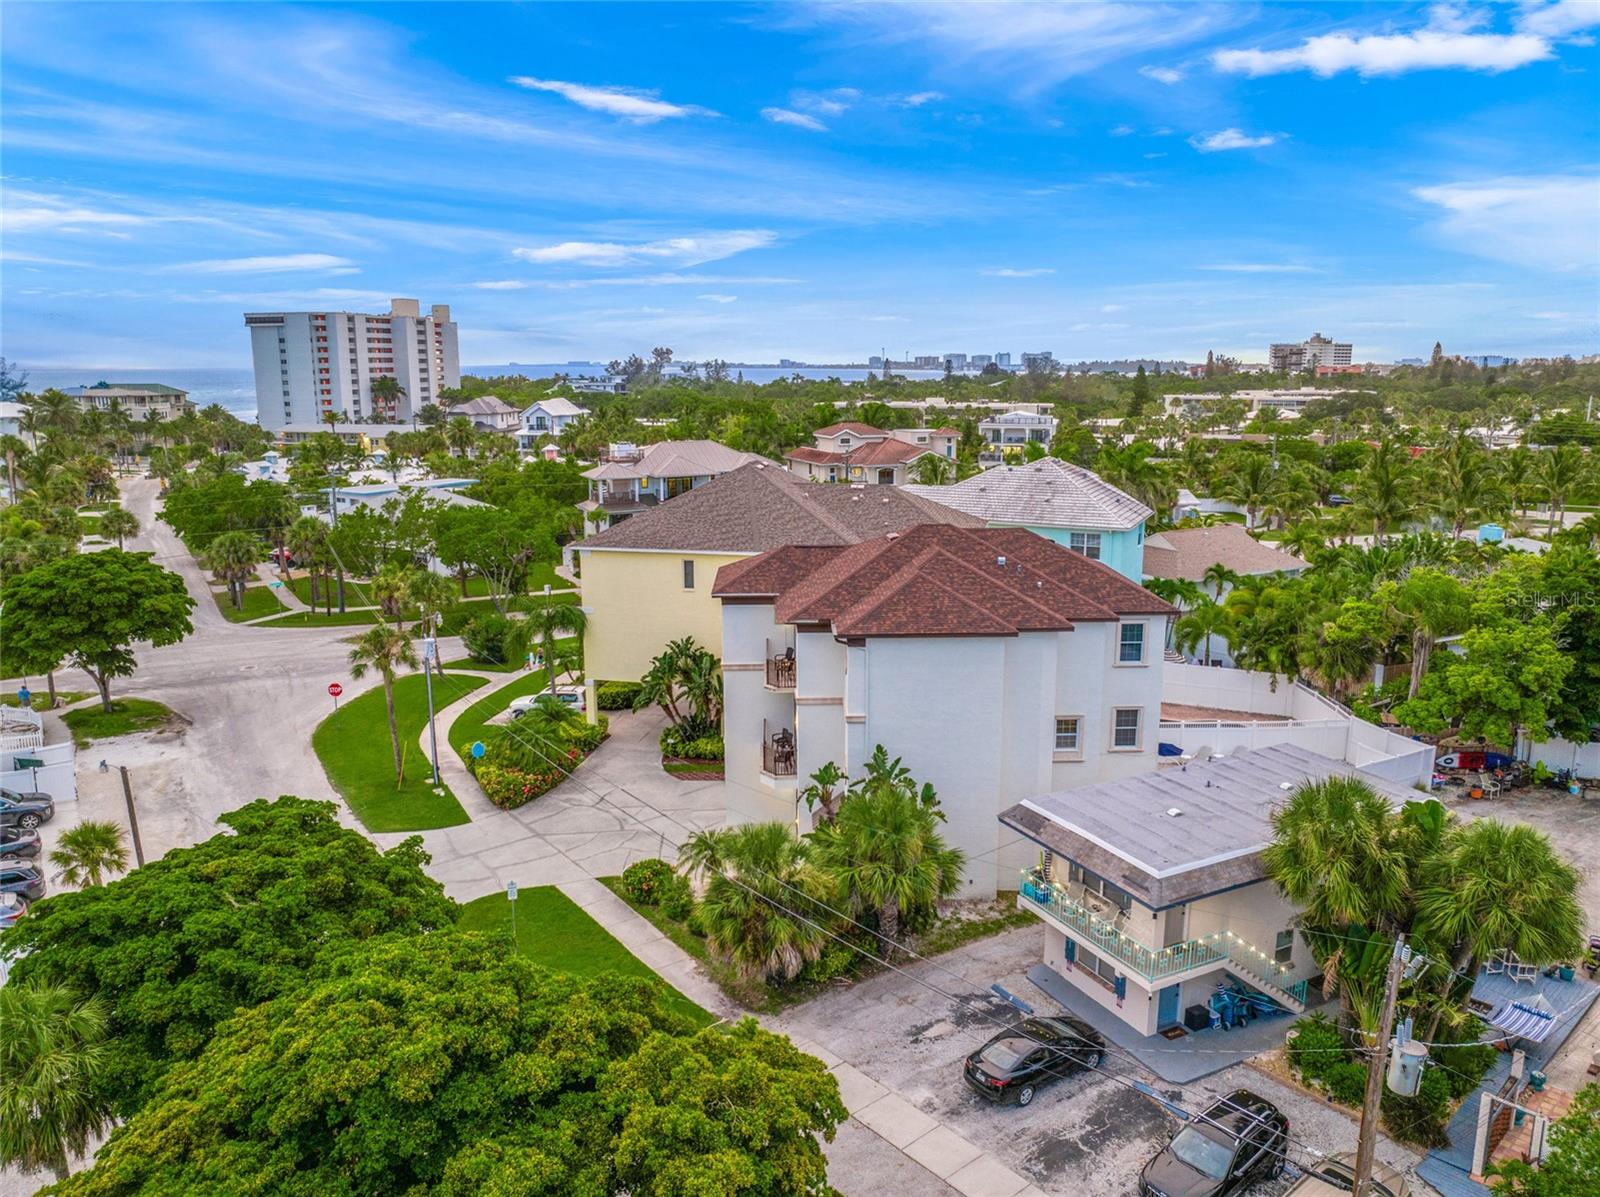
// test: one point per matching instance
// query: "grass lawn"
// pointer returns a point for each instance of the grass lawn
(258, 601)
(473, 723)
(485, 666)
(353, 746)
(40, 699)
(126, 715)
(552, 930)
(309, 619)
(89, 525)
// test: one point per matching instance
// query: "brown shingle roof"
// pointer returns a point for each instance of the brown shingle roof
(873, 453)
(762, 506)
(1188, 552)
(939, 580)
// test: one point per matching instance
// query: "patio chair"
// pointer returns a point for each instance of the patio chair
(1518, 971)
(1496, 964)
(1491, 787)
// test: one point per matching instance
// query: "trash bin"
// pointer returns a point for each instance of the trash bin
(1197, 1018)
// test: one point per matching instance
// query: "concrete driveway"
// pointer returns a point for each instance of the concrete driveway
(1084, 1136)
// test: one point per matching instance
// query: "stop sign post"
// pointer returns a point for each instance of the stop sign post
(335, 689)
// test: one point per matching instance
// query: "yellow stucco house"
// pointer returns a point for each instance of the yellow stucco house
(647, 579)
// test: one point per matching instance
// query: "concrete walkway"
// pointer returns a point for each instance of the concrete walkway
(283, 592)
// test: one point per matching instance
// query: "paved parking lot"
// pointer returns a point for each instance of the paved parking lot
(1084, 1136)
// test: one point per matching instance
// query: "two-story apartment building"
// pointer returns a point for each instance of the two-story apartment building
(140, 400)
(634, 478)
(852, 452)
(996, 664)
(1062, 502)
(647, 580)
(1015, 429)
(1152, 891)
(546, 419)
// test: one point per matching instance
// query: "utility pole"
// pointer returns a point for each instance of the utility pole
(1376, 1067)
(133, 817)
(430, 648)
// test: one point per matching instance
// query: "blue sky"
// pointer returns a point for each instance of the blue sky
(812, 180)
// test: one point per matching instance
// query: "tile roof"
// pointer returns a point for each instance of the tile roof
(939, 580)
(1189, 552)
(676, 459)
(1122, 831)
(762, 506)
(872, 453)
(1043, 494)
(850, 426)
(484, 405)
(557, 406)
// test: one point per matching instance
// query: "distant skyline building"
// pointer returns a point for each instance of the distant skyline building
(1296, 356)
(310, 365)
(1003, 360)
(1038, 361)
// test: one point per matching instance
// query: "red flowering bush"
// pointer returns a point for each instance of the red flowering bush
(510, 788)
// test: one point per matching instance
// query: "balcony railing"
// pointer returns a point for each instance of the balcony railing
(777, 751)
(780, 672)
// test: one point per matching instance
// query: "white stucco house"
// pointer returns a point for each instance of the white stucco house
(1013, 430)
(545, 419)
(488, 413)
(859, 453)
(995, 663)
(1151, 889)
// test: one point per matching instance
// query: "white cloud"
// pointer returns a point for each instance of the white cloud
(714, 298)
(1118, 179)
(27, 212)
(679, 251)
(835, 101)
(669, 279)
(1120, 130)
(1543, 221)
(918, 98)
(1157, 154)
(1167, 75)
(1391, 54)
(1014, 272)
(1558, 20)
(1258, 268)
(504, 284)
(639, 107)
(1109, 308)
(1230, 139)
(786, 116)
(270, 264)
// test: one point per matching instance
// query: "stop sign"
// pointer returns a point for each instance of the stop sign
(335, 689)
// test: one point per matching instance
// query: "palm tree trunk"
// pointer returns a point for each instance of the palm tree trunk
(1421, 651)
(60, 1166)
(889, 927)
(549, 661)
(50, 681)
(394, 731)
(341, 590)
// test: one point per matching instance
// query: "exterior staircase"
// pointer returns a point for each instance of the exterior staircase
(1267, 976)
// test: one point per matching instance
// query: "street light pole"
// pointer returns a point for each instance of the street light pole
(430, 647)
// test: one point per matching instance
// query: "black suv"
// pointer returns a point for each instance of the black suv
(23, 878)
(17, 844)
(26, 811)
(1016, 1063)
(1237, 1141)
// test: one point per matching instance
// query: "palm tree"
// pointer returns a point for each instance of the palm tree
(884, 850)
(1464, 484)
(307, 540)
(120, 523)
(1304, 539)
(1219, 577)
(459, 434)
(762, 907)
(432, 595)
(13, 447)
(88, 852)
(1333, 854)
(547, 617)
(232, 558)
(1198, 625)
(1500, 885)
(52, 1054)
(1561, 470)
(825, 793)
(385, 649)
(550, 718)
(390, 588)
(1435, 604)
(933, 470)
(386, 393)
(1383, 488)
(1517, 466)
(1251, 482)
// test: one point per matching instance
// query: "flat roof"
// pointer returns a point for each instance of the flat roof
(1122, 829)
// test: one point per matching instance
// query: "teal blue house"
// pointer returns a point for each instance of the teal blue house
(1065, 503)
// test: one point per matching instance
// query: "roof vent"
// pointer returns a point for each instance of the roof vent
(1000, 561)
(1173, 812)
(893, 536)
(1285, 785)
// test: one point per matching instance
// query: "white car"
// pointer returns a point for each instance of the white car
(571, 695)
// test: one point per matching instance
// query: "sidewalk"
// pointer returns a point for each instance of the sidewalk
(904, 1150)
(283, 592)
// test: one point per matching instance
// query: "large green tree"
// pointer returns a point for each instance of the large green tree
(1509, 679)
(91, 609)
(443, 1064)
(177, 946)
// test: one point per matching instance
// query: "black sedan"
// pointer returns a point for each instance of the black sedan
(26, 811)
(1015, 1064)
(17, 844)
(1239, 1140)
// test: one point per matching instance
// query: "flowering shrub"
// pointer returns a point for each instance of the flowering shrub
(509, 788)
(647, 880)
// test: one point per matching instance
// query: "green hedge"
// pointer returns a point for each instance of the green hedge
(616, 696)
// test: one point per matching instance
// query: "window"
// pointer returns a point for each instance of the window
(1087, 543)
(1283, 950)
(1096, 884)
(1125, 729)
(1131, 649)
(1103, 969)
(688, 575)
(1067, 735)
